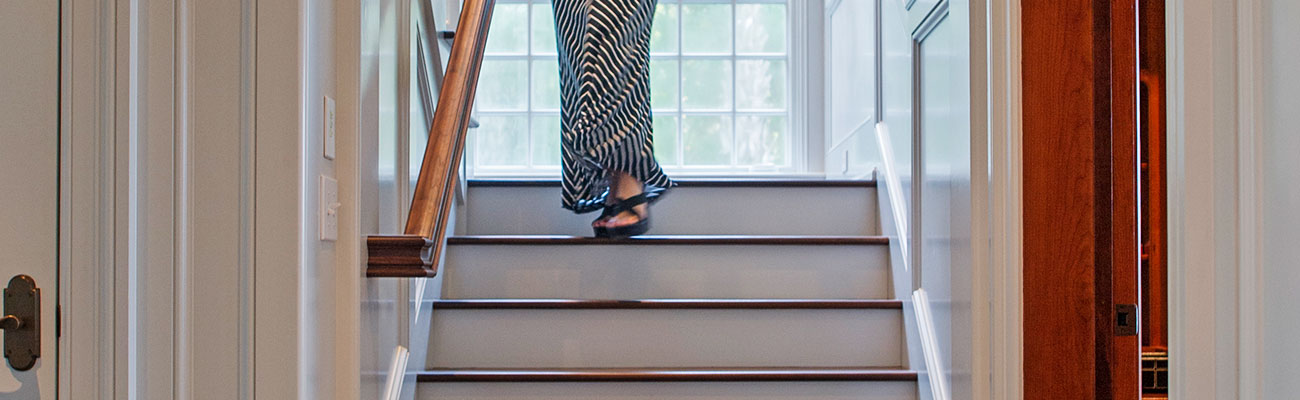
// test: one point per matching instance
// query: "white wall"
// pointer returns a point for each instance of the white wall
(1280, 184)
(1227, 197)
(220, 213)
(307, 290)
(937, 210)
(324, 330)
(944, 249)
(203, 180)
(850, 94)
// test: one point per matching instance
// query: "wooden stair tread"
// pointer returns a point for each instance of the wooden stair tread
(784, 374)
(667, 240)
(756, 183)
(666, 304)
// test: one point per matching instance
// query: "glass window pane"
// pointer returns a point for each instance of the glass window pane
(546, 84)
(665, 138)
(663, 36)
(543, 28)
(502, 85)
(509, 29)
(663, 84)
(546, 140)
(760, 28)
(760, 84)
(719, 85)
(706, 140)
(708, 28)
(502, 140)
(707, 84)
(761, 140)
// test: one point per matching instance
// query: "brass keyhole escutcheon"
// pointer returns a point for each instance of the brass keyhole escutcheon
(21, 322)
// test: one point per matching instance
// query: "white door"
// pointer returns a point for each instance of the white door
(29, 186)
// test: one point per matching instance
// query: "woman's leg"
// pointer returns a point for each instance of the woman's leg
(605, 96)
(622, 186)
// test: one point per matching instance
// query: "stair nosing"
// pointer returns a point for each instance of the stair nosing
(743, 183)
(765, 240)
(667, 304)
(771, 374)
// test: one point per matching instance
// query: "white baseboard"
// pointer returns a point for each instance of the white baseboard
(396, 374)
(930, 346)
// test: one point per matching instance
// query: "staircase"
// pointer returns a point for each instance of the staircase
(744, 290)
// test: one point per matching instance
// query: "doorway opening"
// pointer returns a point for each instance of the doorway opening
(1154, 200)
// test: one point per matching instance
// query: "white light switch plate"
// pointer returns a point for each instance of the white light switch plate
(329, 208)
(329, 128)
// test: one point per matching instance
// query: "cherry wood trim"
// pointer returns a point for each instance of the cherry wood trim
(785, 374)
(400, 257)
(1154, 307)
(674, 240)
(1103, 206)
(1125, 353)
(1081, 253)
(667, 304)
(1070, 230)
(691, 183)
(434, 189)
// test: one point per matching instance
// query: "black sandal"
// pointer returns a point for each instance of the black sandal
(610, 211)
(629, 205)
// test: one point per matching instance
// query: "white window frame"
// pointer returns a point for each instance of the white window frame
(803, 129)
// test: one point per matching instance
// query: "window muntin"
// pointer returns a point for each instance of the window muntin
(721, 93)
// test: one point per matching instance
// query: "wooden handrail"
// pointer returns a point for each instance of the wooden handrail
(415, 253)
(1155, 294)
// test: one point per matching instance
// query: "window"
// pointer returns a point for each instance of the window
(721, 92)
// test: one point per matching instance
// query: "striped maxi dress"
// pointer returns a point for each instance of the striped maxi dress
(606, 125)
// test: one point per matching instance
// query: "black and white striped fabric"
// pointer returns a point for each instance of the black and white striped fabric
(604, 51)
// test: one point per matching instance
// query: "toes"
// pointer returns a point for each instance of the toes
(623, 220)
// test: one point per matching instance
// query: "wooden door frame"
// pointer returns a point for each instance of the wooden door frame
(89, 350)
(1213, 102)
(1214, 347)
(117, 109)
(128, 160)
(1080, 201)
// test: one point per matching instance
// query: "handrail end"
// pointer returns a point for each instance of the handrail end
(400, 256)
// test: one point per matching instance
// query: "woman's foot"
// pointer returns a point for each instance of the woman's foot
(622, 186)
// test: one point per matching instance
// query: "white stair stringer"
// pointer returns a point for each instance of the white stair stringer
(687, 210)
(667, 271)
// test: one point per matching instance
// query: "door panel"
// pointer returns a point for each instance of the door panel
(943, 190)
(1125, 358)
(29, 143)
(1080, 199)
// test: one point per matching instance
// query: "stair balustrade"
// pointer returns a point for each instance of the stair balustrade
(415, 253)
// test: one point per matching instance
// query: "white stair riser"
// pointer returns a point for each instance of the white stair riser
(669, 338)
(671, 390)
(686, 211)
(662, 271)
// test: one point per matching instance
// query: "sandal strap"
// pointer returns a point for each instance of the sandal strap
(629, 204)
